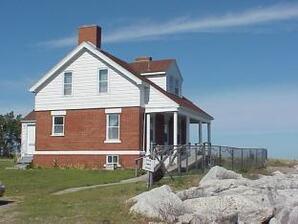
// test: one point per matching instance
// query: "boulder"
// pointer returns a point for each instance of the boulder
(207, 219)
(274, 221)
(224, 196)
(293, 217)
(220, 173)
(215, 207)
(159, 203)
(2, 189)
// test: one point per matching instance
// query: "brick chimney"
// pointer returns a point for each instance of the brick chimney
(91, 33)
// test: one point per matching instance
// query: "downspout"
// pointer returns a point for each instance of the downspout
(144, 124)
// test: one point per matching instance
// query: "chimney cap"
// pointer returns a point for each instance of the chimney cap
(89, 25)
(143, 58)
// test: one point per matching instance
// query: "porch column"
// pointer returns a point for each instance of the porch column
(200, 132)
(187, 130)
(209, 132)
(148, 143)
(175, 128)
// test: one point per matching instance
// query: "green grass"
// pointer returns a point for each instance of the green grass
(33, 188)
(282, 163)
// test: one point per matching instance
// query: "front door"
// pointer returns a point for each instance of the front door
(30, 139)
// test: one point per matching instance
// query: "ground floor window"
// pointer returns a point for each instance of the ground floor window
(58, 126)
(112, 159)
(113, 127)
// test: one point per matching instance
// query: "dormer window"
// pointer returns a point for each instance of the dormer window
(67, 84)
(171, 84)
(103, 81)
(177, 87)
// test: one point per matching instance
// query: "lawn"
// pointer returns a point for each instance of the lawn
(31, 189)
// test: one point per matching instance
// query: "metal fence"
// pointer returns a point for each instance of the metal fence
(182, 158)
(237, 158)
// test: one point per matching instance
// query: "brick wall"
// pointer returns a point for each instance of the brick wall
(86, 130)
(81, 161)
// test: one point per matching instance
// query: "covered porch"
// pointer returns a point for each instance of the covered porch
(173, 128)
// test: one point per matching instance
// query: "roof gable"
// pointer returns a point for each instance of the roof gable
(92, 49)
(133, 71)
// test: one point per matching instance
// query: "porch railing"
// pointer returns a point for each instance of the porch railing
(181, 158)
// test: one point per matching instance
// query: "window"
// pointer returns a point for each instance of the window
(112, 159)
(103, 81)
(177, 87)
(171, 85)
(58, 126)
(67, 84)
(146, 94)
(113, 127)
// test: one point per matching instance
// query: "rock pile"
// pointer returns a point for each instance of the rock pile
(225, 197)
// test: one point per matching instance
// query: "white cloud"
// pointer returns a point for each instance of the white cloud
(253, 110)
(149, 30)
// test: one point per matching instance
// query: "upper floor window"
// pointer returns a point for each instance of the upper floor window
(103, 80)
(67, 83)
(58, 126)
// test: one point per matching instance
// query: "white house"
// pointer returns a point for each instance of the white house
(94, 109)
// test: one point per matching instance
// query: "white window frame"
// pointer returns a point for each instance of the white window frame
(107, 129)
(98, 81)
(112, 163)
(53, 126)
(67, 72)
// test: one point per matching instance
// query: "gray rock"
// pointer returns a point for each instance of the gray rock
(220, 173)
(2, 189)
(193, 192)
(206, 219)
(224, 196)
(293, 217)
(217, 206)
(159, 203)
(274, 221)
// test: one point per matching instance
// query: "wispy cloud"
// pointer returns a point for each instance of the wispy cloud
(151, 30)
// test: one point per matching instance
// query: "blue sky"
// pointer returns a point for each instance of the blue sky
(238, 58)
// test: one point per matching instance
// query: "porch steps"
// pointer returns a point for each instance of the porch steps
(191, 162)
(24, 162)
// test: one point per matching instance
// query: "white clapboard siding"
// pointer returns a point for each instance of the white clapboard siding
(159, 100)
(159, 80)
(122, 92)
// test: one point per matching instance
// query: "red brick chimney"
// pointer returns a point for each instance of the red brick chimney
(91, 33)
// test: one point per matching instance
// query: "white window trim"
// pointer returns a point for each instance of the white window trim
(113, 111)
(58, 112)
(107, 160)
(108, 81)
(64, 83)
(53, 126)
(107, 129)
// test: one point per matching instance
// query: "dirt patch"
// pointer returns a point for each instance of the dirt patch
(7, 211)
